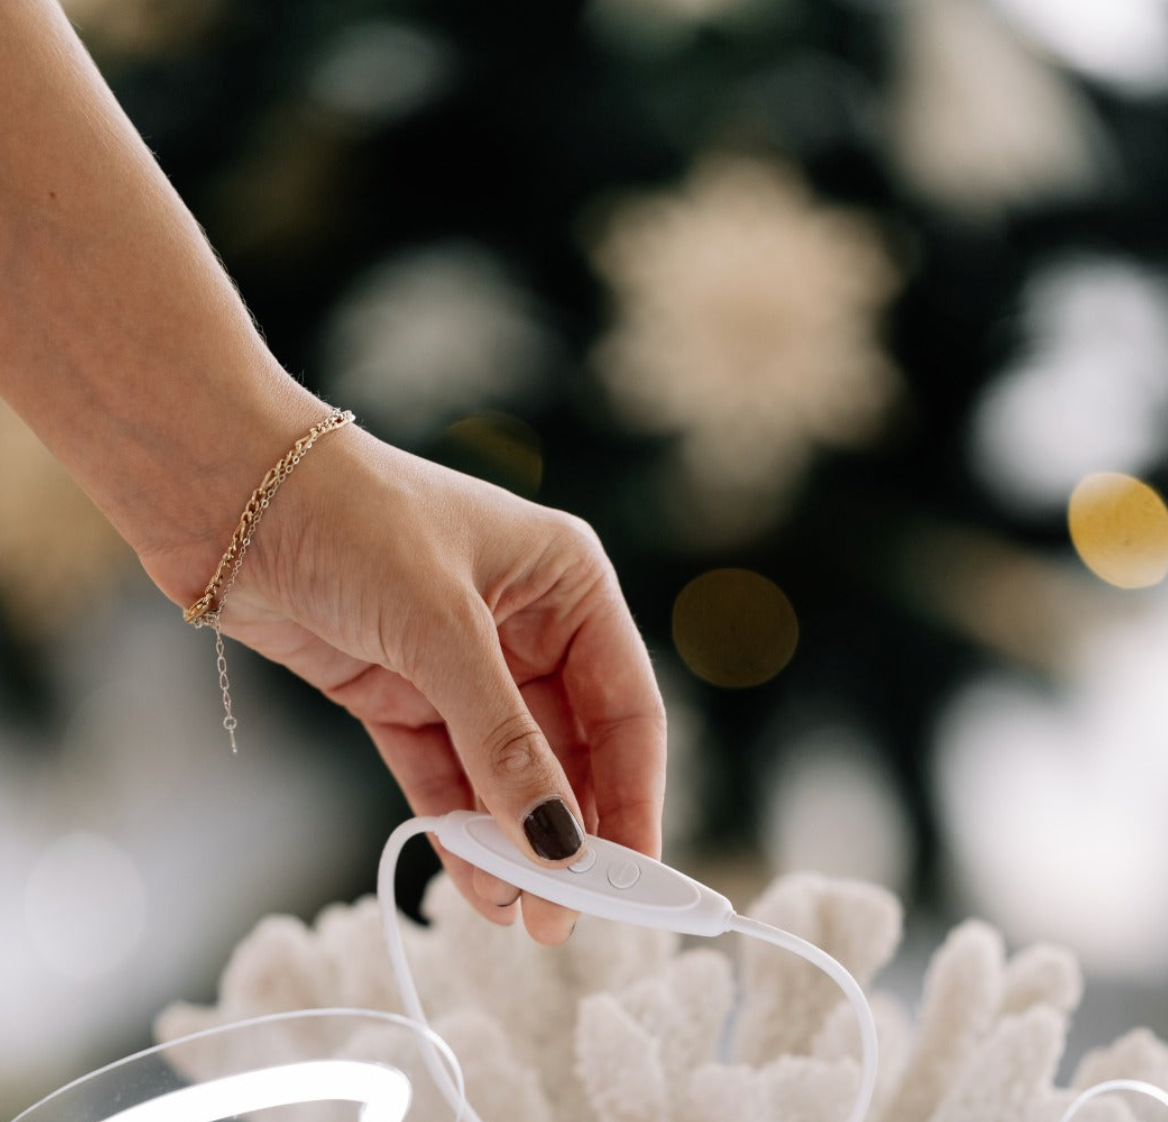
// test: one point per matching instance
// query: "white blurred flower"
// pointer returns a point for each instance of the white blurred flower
(434, 335)
(1052, 801)
(1089, 391)
(746, 323)
(978, 122)
(622, 1025)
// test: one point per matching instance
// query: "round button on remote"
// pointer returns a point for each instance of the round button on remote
(624, 874)
(584, 862)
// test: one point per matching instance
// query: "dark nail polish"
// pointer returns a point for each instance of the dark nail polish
(553, 831)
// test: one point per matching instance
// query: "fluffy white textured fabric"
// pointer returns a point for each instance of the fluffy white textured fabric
(624, 1024)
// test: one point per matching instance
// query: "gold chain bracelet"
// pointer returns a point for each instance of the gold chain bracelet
(207, 610)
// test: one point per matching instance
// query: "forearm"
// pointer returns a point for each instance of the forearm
(122, 342)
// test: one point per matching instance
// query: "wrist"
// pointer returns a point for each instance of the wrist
(210, 603)
(182, 526)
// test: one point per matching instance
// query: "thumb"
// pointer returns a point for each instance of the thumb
(510, 765)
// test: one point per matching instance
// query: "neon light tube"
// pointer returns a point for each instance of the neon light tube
(385, 1091)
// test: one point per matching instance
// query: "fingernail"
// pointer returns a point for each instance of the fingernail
(553, 831)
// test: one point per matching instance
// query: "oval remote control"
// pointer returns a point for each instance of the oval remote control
(606, 879)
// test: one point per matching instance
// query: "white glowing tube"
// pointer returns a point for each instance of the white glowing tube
(385, 1091)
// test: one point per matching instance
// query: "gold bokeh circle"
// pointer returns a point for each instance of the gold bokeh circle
(734, 628)
(1119, 527)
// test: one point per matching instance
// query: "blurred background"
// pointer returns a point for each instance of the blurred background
(844, 323)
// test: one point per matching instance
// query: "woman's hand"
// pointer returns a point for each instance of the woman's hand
(481, 639)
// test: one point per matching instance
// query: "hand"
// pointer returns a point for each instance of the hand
(481, 639)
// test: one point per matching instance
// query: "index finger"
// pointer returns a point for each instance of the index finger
(613, 691)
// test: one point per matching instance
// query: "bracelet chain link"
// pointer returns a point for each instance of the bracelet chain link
(207, 610)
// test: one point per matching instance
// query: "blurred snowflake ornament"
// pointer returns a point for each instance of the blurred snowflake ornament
(746, 324)
(624, 1025)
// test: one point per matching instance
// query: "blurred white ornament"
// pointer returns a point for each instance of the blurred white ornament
(432, 335)
(1089, 390)
(85, 905)
(746, 323)
(980, 123)
(380, 71)
(1052, 802)
(1121, 42)
(832, 809)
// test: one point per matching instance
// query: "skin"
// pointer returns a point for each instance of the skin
(482, 640)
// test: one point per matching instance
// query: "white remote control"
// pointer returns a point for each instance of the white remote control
(606, 880)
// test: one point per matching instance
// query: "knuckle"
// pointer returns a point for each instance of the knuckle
(513, 750)
(585, 537)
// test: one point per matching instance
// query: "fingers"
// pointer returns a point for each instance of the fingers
(548, 703)
(434, 781)
(507, 758)
(521, 783)
(495, 891)
(610, 682)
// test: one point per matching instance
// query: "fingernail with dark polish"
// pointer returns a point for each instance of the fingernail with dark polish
(553, 831)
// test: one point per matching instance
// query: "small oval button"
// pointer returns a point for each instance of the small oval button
(584, 862)
(624, 874)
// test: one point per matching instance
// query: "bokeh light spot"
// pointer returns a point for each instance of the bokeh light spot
(497, 447)
(734, 627)
(85, 906)
(1119, 526)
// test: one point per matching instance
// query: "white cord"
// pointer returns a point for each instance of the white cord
(743, 925)
(869, 1053)
(1136, 1085)
(387, 898)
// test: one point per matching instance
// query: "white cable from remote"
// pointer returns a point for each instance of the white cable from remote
(1109, 1087)
(613, 882)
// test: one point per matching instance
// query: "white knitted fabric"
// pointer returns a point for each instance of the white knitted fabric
(624, 1024)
